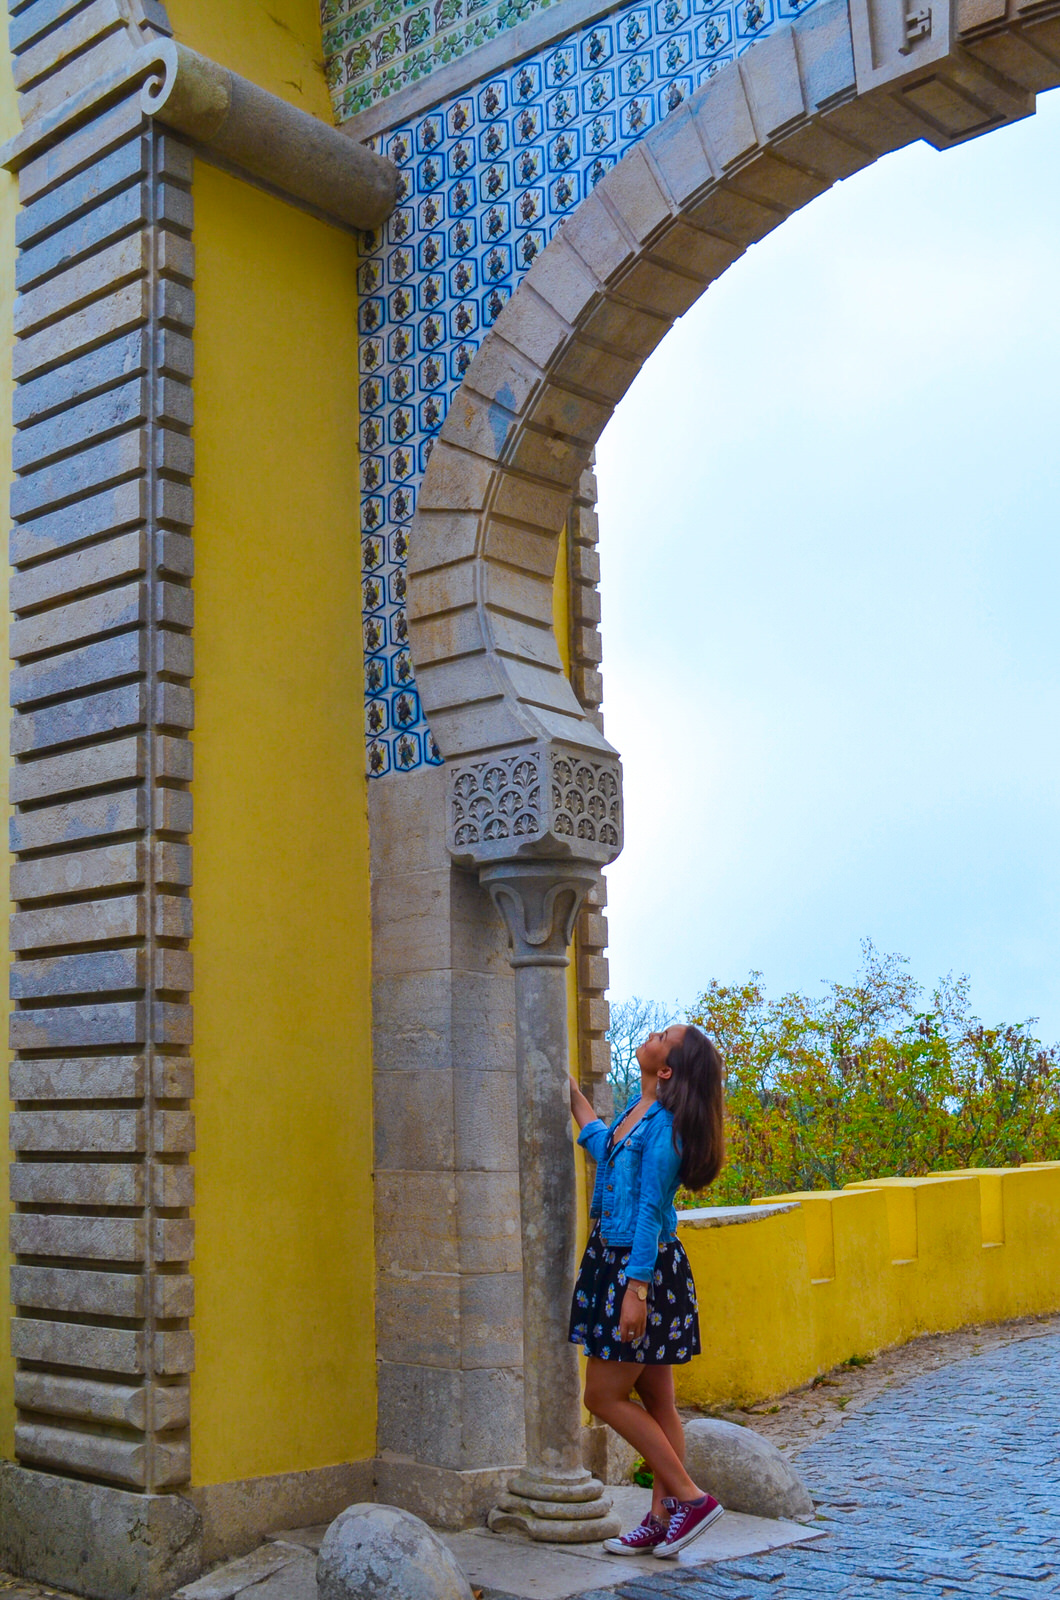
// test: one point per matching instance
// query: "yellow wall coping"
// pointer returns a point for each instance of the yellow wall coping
(724, 1216)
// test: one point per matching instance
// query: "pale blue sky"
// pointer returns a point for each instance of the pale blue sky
(831, 577)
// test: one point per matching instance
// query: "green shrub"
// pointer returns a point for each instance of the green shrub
(869, 1082)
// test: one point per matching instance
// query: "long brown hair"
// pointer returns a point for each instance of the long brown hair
(695, 1093)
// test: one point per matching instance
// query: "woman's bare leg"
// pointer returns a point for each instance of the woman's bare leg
(608, 1385)
(655, 1385)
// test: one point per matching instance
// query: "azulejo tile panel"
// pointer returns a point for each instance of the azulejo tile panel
(486, 180)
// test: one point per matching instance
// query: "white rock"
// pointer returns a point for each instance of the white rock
(743, 1470)
(373, 1551)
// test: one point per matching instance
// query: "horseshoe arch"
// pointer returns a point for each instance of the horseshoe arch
(807, 106)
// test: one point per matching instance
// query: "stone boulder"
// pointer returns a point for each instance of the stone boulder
(373, 1551)
(744, 1471)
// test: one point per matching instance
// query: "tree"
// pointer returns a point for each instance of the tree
(869, 1081)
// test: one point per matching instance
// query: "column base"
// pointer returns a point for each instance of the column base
(555, 1508)
(97, 1541)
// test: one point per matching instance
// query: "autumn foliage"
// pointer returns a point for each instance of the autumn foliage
(871, 1081)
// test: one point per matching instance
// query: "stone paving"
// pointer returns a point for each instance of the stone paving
(946, 1487)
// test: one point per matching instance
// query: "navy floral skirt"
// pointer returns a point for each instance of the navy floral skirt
(672, 1334)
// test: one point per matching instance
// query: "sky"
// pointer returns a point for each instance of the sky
(831, 570)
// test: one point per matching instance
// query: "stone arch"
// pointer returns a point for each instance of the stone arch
(807, 106)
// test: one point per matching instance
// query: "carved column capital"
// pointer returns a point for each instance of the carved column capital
(539, 901)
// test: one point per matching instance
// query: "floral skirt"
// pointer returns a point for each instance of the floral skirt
(672, 1334)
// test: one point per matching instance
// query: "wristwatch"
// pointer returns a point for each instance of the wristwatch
(640, 1290)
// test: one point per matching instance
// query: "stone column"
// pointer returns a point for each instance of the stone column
(554, 1498)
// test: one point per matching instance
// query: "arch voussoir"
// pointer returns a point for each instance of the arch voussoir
(772, 81)
(1026, 52)
(632, 193)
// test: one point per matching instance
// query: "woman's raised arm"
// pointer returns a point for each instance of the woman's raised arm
(580, 1108)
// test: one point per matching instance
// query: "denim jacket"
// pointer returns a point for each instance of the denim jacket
(635, 1186)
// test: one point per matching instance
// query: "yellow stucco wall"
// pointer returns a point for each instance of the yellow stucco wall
(9, 125)
(274, 43)
(285, 1375)
(857, 1270)
(561, 601)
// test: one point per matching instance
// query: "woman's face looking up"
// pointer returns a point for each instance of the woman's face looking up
(652, 1054)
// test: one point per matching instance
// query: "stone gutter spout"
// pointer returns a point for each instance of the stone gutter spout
(262, 135)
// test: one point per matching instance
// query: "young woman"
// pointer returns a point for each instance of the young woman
(634, 1309)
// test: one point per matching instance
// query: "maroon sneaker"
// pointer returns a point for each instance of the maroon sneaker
(688, 1519)
(640, 1541)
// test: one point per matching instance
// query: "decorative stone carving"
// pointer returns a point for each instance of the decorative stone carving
(895, 37)
(495, 801)
(539, 901)
(540, 800)
(587, 800)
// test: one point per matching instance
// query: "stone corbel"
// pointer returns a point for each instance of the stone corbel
(543, 799)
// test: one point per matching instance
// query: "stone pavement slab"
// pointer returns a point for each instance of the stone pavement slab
(297, 1580)
(507, 1567)
(224, 1582)
(510, 1566)
(310, 1538)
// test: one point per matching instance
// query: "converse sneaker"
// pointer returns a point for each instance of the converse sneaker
(688, 1519)
(640, 1541)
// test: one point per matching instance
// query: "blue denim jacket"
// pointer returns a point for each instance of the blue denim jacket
(635, 1186)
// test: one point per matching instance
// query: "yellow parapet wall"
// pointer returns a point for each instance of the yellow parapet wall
(795, 1284)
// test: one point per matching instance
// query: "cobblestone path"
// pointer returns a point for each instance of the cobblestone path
(948, 1486)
